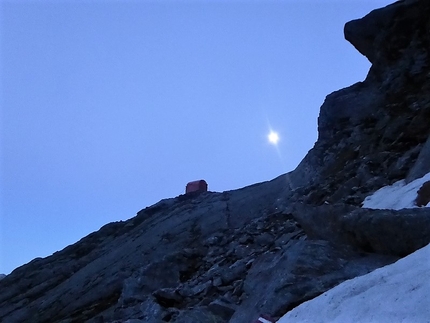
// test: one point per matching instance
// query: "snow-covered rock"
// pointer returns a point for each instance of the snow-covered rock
(394, 293)
(397, 196)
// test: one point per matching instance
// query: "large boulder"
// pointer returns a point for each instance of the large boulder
(390, 232)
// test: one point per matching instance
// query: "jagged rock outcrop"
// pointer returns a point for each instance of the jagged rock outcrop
(388, 232)
(371, 133)
(227, 257)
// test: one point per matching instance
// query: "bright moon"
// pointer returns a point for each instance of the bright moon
(273, 137)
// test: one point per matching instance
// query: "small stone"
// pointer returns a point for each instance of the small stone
(282, 240)
(217, 281)
(205, 301)
(264, 239)
(200, 288)
(222, 309)
(234, 272)
(225, 288)
(238, 287)
(245, 239)
(229, 253)
(168, 297)
(243, 251)
(186, 291)
(212, 241)
(188, 252)
(249, 263)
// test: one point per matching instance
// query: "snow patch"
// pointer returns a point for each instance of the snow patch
(397, 196)
(395, 293)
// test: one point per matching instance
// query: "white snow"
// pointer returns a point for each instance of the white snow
(396, 293)
(397, 196)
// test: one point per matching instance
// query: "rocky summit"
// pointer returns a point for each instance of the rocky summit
(266, 248)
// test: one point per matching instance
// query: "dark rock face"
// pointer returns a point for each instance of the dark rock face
(421, 166)
(229, 257)
(382, 35)
(371, 133)
(388, 232)
(423, 197)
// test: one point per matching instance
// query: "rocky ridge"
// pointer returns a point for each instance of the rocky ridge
(227, 257)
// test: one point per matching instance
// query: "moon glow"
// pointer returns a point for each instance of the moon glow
(273, 137)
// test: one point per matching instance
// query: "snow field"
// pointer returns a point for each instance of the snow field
(397, 196)
(399, 292)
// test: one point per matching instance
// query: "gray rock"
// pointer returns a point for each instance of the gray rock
(285, 238)
(222, 309)
(391, 232)
(131, 292)
(243, 251)
(234, 272)
(245, 239)
(201, 314)
(421, 165)
(217, 282)
(201, 287)
(423, 197)
(264, 239)
(168, 297)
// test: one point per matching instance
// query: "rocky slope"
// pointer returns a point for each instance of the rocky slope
(218, 257)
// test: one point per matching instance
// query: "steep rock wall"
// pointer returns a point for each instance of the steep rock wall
(371, 133)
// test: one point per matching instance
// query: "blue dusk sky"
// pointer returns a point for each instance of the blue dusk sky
(108, 107)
